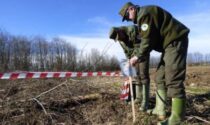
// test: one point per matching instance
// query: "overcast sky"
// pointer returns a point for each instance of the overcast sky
(87, 22)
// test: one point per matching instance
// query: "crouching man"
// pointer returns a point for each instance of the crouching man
(129, 39)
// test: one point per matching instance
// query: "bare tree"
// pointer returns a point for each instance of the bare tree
(70, 56)
(65, 54)
(207, 59)
(198, 58)
(190, 59)
(5, 41)
(113, 64)
(39, 53)
(95, 59)
(20, 53)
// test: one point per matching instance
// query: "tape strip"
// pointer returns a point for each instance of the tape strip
(36, 75)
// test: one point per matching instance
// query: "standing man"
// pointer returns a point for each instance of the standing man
(129, 39)
(160, 31)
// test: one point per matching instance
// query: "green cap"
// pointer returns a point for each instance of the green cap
(113, 33)
(118, 33)
(131, 32)
(124, 9)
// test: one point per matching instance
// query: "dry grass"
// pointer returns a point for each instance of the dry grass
(52, 101)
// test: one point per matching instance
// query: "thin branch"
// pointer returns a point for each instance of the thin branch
(51, 89)
(8, 92)
(104, 51)
(81, 52)
(45, 112)
(40, 105)
(199, 118)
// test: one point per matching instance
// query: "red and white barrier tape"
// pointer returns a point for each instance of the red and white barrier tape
(125, 90)
(33, 75)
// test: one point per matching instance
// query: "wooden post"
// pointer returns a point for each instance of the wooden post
(132, 98)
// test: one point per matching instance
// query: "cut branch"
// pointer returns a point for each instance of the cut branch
(51, 89)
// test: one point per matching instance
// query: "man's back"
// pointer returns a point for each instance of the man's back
(164, 27)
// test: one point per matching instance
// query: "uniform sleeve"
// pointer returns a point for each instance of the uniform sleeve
(127, 50)
(145, 29)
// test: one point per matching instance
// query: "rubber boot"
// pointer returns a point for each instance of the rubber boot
(160, 105)
(138, 94)
(145, 97)
(128, 101)
(177, 113)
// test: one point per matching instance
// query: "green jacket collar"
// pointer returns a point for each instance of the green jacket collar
(136, 16)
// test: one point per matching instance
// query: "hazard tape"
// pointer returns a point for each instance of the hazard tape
(34, 75)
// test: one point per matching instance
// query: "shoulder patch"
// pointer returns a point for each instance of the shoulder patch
(144, 27)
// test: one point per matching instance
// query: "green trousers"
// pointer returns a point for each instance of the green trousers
(142, 71)
(172, 68)
(143, 83)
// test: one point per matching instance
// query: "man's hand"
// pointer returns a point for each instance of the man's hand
(133, 60)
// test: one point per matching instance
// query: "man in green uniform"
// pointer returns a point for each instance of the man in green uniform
(129, 39)
(160, 31)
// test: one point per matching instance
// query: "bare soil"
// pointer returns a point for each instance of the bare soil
(91, 101)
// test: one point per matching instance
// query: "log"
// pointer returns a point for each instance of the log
(93, 96)
(74, 101)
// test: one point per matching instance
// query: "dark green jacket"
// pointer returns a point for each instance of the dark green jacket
(132, 42)
(157, 29)
(129, 50)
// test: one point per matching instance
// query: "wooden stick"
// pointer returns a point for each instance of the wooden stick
(51, 89)
(45, 112)
(199, 118)
(132, 99)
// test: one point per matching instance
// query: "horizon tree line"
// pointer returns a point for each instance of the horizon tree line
(20, 53)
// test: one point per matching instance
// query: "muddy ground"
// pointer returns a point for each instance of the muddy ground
(92, 101)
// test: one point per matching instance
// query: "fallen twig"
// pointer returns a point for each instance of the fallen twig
(75, 100)
(40, 105)
(87, 97)
(51, 89)
(199, 118)
(43, 108)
